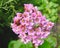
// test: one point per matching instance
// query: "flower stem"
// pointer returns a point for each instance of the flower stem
(35, 46)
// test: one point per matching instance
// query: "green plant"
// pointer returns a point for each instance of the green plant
(49, 42)
(8, 8)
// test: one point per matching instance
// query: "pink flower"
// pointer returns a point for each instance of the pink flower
(26, 39)
(19, 14)
(28, 7)
(13, 25)
(31, 25)
(38, 42)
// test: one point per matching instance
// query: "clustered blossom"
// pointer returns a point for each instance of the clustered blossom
(31, 25)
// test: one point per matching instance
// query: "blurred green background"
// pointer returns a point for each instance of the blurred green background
(9, 8)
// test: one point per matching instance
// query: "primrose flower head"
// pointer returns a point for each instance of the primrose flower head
(31, 25)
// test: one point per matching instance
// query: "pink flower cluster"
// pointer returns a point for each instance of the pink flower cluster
(31, 25)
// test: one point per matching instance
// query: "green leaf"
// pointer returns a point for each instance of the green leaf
(58, 46)
(11, 44)
(19, 44)
(45, 45)
(52, 41)
(53, 18)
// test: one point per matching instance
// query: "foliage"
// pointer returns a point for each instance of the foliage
(50, 42)
(8, 8)
(49, 9)
(19, 44)
(45, 45)
(58, 46)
